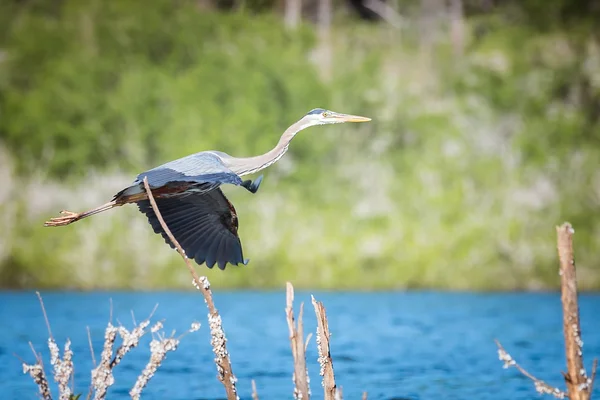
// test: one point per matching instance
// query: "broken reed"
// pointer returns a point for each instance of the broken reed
(579, 385)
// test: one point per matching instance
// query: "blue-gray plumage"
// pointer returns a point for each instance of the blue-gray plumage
(188, 195)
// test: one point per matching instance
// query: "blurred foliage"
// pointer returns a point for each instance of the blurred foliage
(97, 84)
(468, 164)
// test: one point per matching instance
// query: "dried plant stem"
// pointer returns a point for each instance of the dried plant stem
(102, 377)
(62, 367)
(63, 371)
(325, 360)
(89, 335)
(578, 384)
(540, 386)
(39, 296)
(300, 377)
(339, 395)
(102, 374)
(36, 371)
(593, 378)
(254, 392)
(364, 396)
(158, 352)
(218, 340)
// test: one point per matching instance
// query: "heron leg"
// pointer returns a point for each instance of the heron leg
(252, 186)
(68, 217)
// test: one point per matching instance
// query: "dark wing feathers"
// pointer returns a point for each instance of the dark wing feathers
(204, 224)
(202, 220)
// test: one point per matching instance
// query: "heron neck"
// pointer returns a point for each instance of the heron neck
(249, 165)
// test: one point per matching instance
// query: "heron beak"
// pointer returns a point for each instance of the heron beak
(349, 118)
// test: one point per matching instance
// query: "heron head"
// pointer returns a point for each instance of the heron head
(319, 116)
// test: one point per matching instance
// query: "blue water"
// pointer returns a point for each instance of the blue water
(392, 345)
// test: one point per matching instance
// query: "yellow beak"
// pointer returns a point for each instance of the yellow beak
(350, 118)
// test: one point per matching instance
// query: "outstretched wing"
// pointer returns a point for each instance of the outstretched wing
(205, 171)
(205, 225)
(204, 167)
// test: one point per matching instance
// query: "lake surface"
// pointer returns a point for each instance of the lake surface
(418, 345)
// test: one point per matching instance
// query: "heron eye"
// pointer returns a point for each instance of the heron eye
(325, 114)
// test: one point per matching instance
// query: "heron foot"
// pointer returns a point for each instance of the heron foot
(252, 186)
(67, 218)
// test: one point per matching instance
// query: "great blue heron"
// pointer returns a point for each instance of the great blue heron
(193, 206)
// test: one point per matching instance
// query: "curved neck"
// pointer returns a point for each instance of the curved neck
(249, 165)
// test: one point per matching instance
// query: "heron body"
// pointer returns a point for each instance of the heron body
(188, 195)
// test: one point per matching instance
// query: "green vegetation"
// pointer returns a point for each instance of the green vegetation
(469, 163)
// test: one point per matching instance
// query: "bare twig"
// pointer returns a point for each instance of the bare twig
(218, 340)
(102, 377)
(62, 368)
(63, 371)
(129, 341)
(254, 392)
(325, 360)
(579, 386)
(159, 347)
(89, 335)
(300, 376)
(540, 386)
(307, 341)
(39, 296)
(36, 371)
(102, 374)
(576, 378)
(593, 378)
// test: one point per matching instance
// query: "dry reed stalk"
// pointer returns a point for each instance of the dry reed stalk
(300, 376)
(159, 347)
(218, 339)
(102, 374)
(36, 371)
(540, 386)
(62, 367)
(254, 392)
(102, 377)
(578, 383)
(323, 335)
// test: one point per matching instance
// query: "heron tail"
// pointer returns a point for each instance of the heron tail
(69, 217)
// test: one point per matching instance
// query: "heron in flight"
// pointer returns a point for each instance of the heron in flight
(188, 195)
